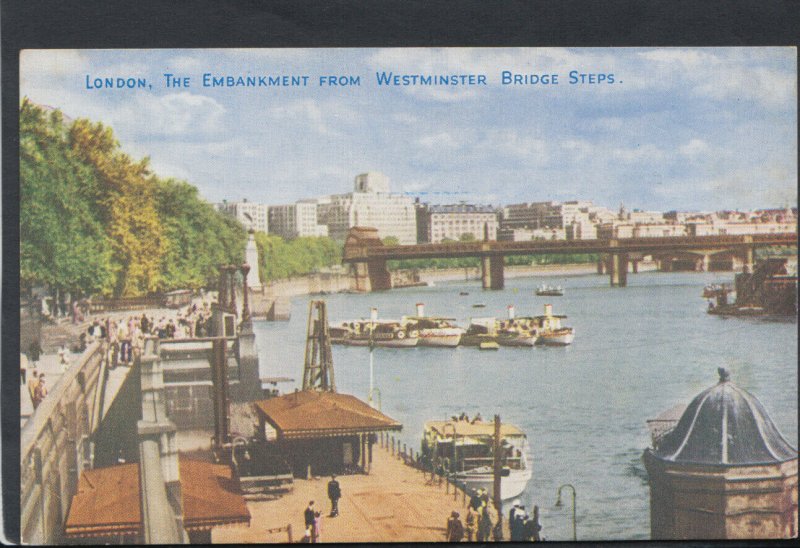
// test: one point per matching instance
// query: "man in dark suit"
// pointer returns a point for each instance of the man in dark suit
(334, 493)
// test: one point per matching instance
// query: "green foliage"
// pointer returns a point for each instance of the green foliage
(198, 238)
(280, 259)
(94, 221)
(62, 240)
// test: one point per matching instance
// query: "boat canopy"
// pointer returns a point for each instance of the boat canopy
(444, 429)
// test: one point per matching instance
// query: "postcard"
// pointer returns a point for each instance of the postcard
(408, 295)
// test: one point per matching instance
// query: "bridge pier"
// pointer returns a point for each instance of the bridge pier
(601, 266)
(492, 272)
(618, 269)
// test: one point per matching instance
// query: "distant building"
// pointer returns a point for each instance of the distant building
(436, 223)
(370, 205)
(296, 220)
(250, 214)
(577, 219)
(527, 234)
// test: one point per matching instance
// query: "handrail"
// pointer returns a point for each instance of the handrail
(41, 415)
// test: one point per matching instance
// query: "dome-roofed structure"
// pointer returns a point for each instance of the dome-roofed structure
(723, 472)
(725, 425)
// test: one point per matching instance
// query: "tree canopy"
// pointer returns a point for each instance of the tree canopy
(95, 221)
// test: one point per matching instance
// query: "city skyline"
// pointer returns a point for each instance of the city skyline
(688, 129)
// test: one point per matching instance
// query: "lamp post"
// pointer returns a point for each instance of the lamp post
(559, 504)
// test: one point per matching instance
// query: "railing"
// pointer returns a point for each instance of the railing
(131, 303)
(54, 447)
(476, 249)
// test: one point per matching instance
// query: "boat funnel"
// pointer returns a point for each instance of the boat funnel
(548, 310)
(511, 312)
(373, 314)
(420, 309)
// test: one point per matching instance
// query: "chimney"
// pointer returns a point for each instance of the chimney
(548, 310)
(511, 312)
(420, 309)
(373, 314)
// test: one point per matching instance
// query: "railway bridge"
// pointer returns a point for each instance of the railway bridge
(366, 252)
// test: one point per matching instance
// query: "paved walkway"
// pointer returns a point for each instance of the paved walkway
(391, 504)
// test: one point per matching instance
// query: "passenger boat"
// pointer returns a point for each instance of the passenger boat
(549, 291)
(433, 331)
(510, 332)
(388, 333)
(465, 449)
(550, 330)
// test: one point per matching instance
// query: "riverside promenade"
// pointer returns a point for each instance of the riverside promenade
(395, 502)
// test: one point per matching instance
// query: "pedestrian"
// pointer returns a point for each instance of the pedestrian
(308, 515)
(34, 353)
(484, 524)
(306, 536)
(33, 382)
(23, 369)
(475, 500)
(455, 529)
(40, 392)
(63, 358)
(497, 530)
(532, 527)
(316, 531)
(470, 522)
(334, 493)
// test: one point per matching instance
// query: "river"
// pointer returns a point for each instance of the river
(638, 351)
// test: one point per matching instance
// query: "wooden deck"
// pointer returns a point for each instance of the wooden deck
(393, 503)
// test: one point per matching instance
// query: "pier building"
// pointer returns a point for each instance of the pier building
(322, 432)
(723, 471)
(370, 204)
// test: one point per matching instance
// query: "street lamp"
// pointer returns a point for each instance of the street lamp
(559, 505)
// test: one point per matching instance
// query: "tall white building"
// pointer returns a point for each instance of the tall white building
(370, 204)
(296, 220)
(250, 214)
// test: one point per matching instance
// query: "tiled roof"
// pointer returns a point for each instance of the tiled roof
(308, 414)
(107, 502)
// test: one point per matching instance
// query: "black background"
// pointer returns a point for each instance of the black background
(304, 23)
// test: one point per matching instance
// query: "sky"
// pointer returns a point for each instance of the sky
(679, 129)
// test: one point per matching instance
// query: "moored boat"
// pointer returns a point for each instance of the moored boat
(512, 331)
(464, 448)
(379, 332)
(550, 330)
(433, 331)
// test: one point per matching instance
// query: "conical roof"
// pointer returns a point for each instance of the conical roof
(725, 425)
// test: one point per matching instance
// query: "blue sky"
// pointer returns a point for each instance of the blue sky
(686, 129)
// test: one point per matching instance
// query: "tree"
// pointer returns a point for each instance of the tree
(62, 241)
(127, 199)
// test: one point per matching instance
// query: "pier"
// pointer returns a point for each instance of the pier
(394, 502)
(368, 255)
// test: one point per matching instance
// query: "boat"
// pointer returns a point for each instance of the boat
(550, 330)
(512, 331)
(549, 291)
(480, 330)
(464, 448)
(433, 331)
(463, 293)
(379, 332)
(479, 305)
(488, 345)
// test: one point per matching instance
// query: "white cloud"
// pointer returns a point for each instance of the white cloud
(175, 115)
(694, 147)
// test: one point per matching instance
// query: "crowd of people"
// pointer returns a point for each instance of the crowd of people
(126, 336)
(483, 524)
